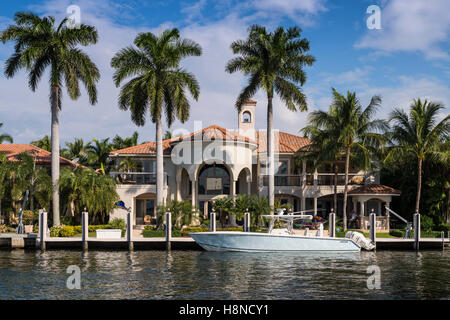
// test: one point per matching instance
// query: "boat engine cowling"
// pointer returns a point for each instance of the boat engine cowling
(360, 240)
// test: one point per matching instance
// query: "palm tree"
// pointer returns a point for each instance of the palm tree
(324, 148)
(41, 43)
(223, 206)
(158, 85)
(5, 137)
(273, 62)
(43, 143)
(353, 129)
(128, 164)
(77, 151)
(99, 154)
(121, 143)
(418, 135)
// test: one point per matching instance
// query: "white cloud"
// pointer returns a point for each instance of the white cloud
(413, 26)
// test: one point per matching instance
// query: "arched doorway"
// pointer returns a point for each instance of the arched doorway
(145, 206)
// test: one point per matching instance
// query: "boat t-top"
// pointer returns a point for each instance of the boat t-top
(280, 239)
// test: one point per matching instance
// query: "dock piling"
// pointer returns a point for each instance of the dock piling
(84, 229)
(247, 221)
(212, 221)
(416, 230)
(168, 229)
(373, 227)
(332, 224)
(130, 230)
(43, 227)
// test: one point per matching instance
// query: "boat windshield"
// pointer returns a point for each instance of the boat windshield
(288, 218)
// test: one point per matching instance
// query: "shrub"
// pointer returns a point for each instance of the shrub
(151, 233)
(67, 231)
(54, 231)
(443, 227)
(6, 229)
(426, 223)
(27, 217)
(118, 223)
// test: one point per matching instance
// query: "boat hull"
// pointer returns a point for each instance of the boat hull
(262, 242)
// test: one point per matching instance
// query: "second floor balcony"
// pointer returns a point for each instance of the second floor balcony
(137, 178)
(322, 179)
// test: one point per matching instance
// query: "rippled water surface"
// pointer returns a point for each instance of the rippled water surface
(211, 275)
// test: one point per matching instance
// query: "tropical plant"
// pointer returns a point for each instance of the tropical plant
(272, 61)
(182, 213)
(83, 187)
(223, 206)
(128, 164)
(159, 84)
(5, 137)
(99, 154)
(77, 151)
(43, 143)
(41, 43)
(418, 135)
(121, 143)
(354, 130)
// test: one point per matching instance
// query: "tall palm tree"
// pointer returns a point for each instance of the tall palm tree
(41, 43)
(324, 148)
(418, 135)
(354, 130)
(43, 143)
(5, 137)
(98, 154)
(273, 62)
(159, 84)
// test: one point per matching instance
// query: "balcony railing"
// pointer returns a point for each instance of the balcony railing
(136, 177)
(323, 179)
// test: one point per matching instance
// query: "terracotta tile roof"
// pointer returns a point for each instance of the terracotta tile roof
(213, 132)
(41, 156)
(287, 143)
(374, 189)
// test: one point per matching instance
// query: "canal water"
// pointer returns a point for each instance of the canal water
(211, 275)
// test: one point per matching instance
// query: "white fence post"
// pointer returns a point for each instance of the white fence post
(84, 229)
(332, 224)
(373, 227)
(212, 221)
(130, 230)
(416, 230)
(247, 221)
(43, 228)
(168, 229)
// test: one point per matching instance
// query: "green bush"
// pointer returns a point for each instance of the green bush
(426, 223)
(28, 217)
(54, 231)
(152, 233)
(93, 228)
(6, 229)
(397, 233)
(118, 223)
(67, 231)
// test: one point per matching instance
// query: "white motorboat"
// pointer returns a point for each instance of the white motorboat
(275, 240)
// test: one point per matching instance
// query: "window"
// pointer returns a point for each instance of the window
(246, 117)
(214, 179)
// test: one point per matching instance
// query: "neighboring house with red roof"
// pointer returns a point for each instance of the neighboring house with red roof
(42, 157)
(214, 162)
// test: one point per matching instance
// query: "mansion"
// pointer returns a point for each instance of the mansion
(213, 162)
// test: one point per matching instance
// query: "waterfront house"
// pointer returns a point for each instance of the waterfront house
(214, 162)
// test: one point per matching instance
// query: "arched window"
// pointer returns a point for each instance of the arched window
(214, 179)
(246, 117)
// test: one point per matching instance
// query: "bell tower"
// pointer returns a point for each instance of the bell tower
(246, 119)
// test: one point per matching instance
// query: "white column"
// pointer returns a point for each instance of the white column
(315, 206)
(233, 189)
(303, 173)
(303, 205)
(362, 208)
(194, 193)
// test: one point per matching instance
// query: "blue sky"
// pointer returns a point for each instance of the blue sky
(408, 58)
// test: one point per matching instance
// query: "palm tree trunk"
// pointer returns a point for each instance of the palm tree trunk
(347, 164)
(335, 187)
(55, 154)
(419, 183)
(270, 153)
(159, 164)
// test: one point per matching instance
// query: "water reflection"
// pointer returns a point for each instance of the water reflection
(229, 275)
